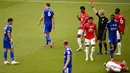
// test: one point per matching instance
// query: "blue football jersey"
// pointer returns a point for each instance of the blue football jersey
(48, 15)
(7, 29)
(68, 52)
(112, 27)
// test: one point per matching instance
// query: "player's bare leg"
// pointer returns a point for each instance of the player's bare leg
(119, 47)
(92, 52)
(79, 43)
(12, 57)
(5, 56)
(87, 52)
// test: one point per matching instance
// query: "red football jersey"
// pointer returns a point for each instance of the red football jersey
(90, 30)
(121, 64)
(83, 17)
(121, 20)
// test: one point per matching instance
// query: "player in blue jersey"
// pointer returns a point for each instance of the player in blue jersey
(112, 27)
(48, 16)
(8, 42)
(67, 58)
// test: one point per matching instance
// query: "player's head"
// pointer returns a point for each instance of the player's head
(47, 5)
(82, 9)
(65, 43)
(10, 21)
(117, 10)
(101, 12)
(90, 19)
(112, 17)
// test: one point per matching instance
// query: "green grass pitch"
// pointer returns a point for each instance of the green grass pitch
(29, 40)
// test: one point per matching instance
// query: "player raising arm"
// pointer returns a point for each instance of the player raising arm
(112, 66)
(83, 18)
(48, 16)
(67, 58)
(121, 20)
(90, 29)
(8, 42)
(102, 21)
(112, 27)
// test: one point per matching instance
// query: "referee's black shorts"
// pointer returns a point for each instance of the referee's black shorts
(100, 36)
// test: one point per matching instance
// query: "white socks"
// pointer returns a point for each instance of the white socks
(119, 47)
(79, 42)
(91, 54)
(87, 52)
(92, 51)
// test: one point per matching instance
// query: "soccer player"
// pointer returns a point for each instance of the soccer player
(67, 58)
(102, 21)
(8, 43)
(116, 66)
(48, 16)
(83, 18)
(90, 29)
(112, 27)
(121, 20)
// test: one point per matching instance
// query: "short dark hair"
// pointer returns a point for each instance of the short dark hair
(112, 15)
(48, 4)
(65, 42)
(10, 19)
(118, 10)
(82, 7)
(90, 18)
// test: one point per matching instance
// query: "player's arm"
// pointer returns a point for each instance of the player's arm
(78, 17)
(41, 19)
(96, 32)
(104, 32)
(119, 32)
(9, 35)
(53, 21)
(67, 62)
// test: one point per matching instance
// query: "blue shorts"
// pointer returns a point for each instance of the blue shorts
(113, 40)
(68, 70)
(47, 29)
(7, 44)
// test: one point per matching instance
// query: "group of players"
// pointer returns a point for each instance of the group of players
(87, 28)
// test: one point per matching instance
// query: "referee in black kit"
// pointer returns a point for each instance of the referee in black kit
(101, 27)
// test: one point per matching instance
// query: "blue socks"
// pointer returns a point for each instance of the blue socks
(48, 39)
(12, 55)
(5, 55)
(111, 52)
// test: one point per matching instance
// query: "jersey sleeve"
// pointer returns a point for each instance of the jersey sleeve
(68, 52)
(107, 25)
(97, 14)
(9, 29)
(44, 12)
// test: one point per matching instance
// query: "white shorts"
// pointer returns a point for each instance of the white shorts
(118, 35)
(113, 66)
(80, 32)
(88, 41)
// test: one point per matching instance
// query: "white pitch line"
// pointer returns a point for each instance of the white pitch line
(66, 2)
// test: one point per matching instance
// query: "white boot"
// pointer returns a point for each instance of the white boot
(14, 62)
(6, 62)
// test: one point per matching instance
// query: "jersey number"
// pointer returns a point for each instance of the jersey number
(121, 21)
(49, 13)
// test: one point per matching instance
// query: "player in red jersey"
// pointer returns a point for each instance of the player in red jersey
(112, 66)
(83, 18)
(121, 20)
(91, 30)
